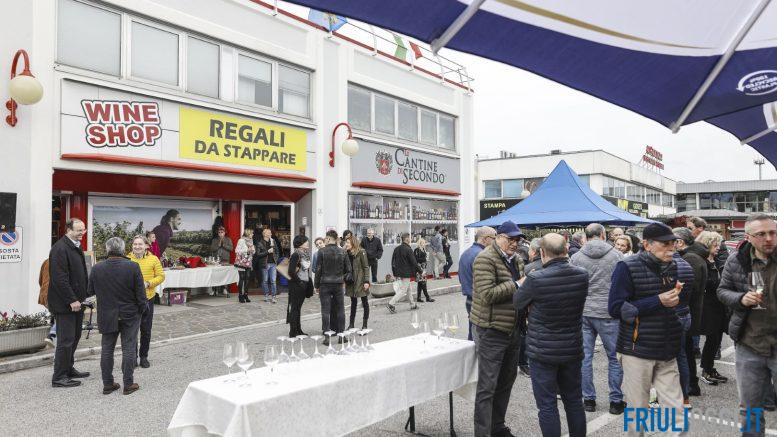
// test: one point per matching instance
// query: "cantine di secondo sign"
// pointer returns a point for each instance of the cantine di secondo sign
(215, 137)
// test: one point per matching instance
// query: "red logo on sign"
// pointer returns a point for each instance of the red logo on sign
(118, 123)
(383, 162)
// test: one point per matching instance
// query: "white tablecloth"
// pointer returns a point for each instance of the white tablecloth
(331, 396)
(212, 276)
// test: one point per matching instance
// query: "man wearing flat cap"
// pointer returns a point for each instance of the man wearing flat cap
(496, 328)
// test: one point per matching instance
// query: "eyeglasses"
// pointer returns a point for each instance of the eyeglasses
(764, 234)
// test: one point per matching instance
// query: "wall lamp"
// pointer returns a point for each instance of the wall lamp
(23, 88)
(350, 147)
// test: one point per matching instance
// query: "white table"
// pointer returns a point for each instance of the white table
(211, 276)
(330, 396)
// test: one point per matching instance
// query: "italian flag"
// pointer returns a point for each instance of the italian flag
(401, 51)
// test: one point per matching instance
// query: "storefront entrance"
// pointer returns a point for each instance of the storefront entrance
(277, 217)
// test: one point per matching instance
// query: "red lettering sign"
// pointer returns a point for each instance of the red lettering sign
(122, 124)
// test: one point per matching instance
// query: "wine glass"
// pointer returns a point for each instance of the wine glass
(316, 353)
(302, 354)
(425, 332)
(229, 358)
(757, 285)
(352, 346)
(270, 360)
(439, 328)
(342, 350)
(446, 320)
(361, 348)
(414, 322)
(244, 360)
(293, 358)
(331, 349)
(283, 357)
(367, 338)
(453, 324)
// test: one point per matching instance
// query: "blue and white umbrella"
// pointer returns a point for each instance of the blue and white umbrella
(675, 62)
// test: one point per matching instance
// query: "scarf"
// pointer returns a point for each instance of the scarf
(303, 271)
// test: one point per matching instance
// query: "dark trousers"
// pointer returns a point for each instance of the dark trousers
(296, 299)
(128, 329)
(711, 346)
(242, 285)
(374, 269)
(522, 359)
(447, 266)
(497, 368)
(146, 320)
(332, 307)
(365, 308)
(422, 289)
(545, 378)
(468, 306)
(68, 336)
(693, 379)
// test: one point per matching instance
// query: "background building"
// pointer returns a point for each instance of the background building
(503, 180)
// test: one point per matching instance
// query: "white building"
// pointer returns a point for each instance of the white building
(219, 107)
(501, 181)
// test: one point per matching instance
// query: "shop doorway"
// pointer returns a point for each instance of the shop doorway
(278, 217)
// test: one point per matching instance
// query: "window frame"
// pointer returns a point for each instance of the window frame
(310, 89)
(122, 40)
(186, 64)
(181, 35)
(485, 191)
(273, 80)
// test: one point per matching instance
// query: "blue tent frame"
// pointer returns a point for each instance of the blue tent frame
(564, 200)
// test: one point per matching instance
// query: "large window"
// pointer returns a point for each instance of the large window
(294, 93)
(493, 189)
(94, 46)
(512, 188)
(686, 202)
(254, 81)
(154, 54)
(374, 112)
(652, 196)
(202, 67)
(667, 200)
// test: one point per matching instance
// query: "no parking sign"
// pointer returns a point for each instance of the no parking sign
(11, 246)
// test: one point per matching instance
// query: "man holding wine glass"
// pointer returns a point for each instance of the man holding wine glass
(749, 287)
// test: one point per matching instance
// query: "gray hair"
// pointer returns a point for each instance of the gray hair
(684, 234)
(578, 236)
(554, 245)
(594, 230)
(535, 244)
(709, 239)
(485, 231)
(698, 222)
(757, 217)
(114, 246)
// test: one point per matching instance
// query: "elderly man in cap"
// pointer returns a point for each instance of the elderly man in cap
(496, 272)
(483, 237)
(645, 290)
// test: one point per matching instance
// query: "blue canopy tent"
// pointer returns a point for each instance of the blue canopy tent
(564, 200)
(674, 62)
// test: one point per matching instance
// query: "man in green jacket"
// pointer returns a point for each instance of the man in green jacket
(496, 271)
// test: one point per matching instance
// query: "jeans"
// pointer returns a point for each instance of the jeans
(269, 272)
(682, 359)
(468, 306)
(332, 296)
(497, 368)
(146, 320)
(546, 379)
(447, 266)
(374, 269)
(68, 335)
(753, 377)
(128, 329)
(607, 330)
(365, 308)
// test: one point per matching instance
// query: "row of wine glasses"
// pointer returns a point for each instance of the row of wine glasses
(447, 322)
(237, 353)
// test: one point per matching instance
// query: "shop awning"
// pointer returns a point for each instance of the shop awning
(673, 62)
(563, 200)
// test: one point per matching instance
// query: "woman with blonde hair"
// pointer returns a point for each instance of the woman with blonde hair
(244, 253)
(623, 244)
(420, 257)
(153, 276)
(360, 287)
(714, 317)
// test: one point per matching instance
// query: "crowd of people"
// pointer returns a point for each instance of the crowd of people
(648, 299)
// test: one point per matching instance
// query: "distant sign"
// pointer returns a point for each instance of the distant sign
(11, 246)
(490, 208)
(630, 206)
(653, 157)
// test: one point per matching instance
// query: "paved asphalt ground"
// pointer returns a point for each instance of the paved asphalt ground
(30, 407)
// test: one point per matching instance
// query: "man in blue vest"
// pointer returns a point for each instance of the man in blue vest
(645, 289)
(483, 237)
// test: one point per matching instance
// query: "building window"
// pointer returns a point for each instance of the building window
(408, 121)
(96, 46)
(202, 67)
(428, 127)
(493, 189)
(686, 202)
(635, 192)
(667, 200)
(154, 54)
(384, 114)
(614, 188)
(359, 109)
(447, 134)
(254, 81)
(652, 196)
(294, 91)
(512, 188)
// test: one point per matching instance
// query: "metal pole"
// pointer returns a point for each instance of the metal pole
(732, 47)
(758, 135)
(456, 26)
(450, 410)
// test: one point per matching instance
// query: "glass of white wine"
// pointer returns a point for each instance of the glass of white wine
(439, 330)
(453, 324)
(414, 321)
(757, 285)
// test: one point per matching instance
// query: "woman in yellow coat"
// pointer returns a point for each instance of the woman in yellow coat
(153, 275)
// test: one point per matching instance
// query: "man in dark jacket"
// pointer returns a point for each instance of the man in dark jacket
(120, 289)
(535, 260)
(332, 268)
(646, 288)
(557, 294)
(696, 255)
(404, 266)
(67, 289)
(753, 324)
(374, 249)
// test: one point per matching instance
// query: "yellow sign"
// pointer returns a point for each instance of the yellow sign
(214, 137)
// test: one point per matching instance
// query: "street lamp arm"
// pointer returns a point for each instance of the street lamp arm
(334, 131)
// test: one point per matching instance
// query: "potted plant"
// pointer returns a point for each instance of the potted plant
(23, 333)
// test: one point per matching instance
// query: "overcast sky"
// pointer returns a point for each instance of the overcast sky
(523, 113)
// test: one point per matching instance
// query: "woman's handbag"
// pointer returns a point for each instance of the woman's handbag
(243, 261)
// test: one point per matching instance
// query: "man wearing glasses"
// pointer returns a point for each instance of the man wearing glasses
(496, 272)
(483, 237)
(753, 324)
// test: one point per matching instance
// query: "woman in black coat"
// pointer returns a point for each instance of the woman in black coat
(714, 319)
(420, 258)
(446, 249)
(300, 284)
